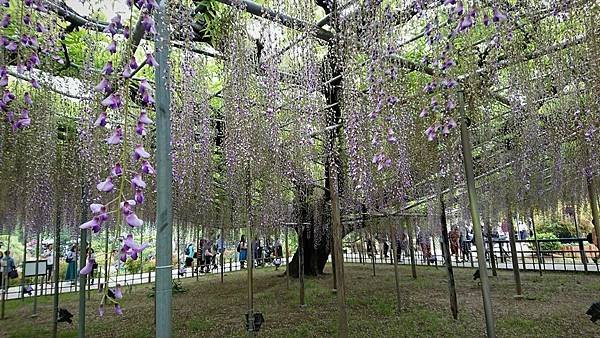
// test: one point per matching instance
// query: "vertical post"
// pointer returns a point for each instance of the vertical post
(488, 230)
(513, 254)
(474, 208)
(24, 260)
(411, 233)
(301, 259)
(4, 286)
(594, 207)
(35, 279)
(222, 247)
(333, 262)
(395, 262)
(448, 259)
(83, 247)
(178, 249)
(575, 221)
(250, 258)
(287, 254)
(56, 271)
(337, 250)
(537, 244)
(164, 226)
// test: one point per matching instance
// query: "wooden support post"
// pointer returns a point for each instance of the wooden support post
(411, 233)
(333, 266)
(301, 260)
(395, 262)
(594, 206)
(513, 254)
(35, 279)
(448, 259)
(287, 255)
(250, 257)
(537, 244)
(488, 230)
(474, 208)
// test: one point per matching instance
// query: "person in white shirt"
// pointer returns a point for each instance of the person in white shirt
(49, 256)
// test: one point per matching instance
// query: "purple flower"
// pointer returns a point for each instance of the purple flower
(150, 60)
(129, 243)
(465, 23)
(126, 207)
(126, 32)
(151, 4)
(108, 68)
(459, 9)
(137, 182)
(34, 59)
(391, 138)
(5, 21)
(35, 84)
(112, 47)
(127, 72)
(94, 224)
(97, 208)
(498, 16)
(148, 24)
(450, 105)
(133, 221)
(23, 121)
(430, 87)
(118, 310)
(111, 28)
(116, 137)
(40, 28)
(140, 152)
(147, 168)
(449, 2)
(449, 83)
(27, 19)
(103, 86)
(147, 98)
(101, 120)
(12, 46)
(424, 113)
(117, 170)
(144, 118)
(106, 185)
(8, 97)
(139, 196)
(88, 267)
(144, 87)
(27, 98)
(113, 101)
(140, 129)
(133, 63)
(448, 63)
(116, 20)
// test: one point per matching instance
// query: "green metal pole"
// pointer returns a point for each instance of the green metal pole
(513, 253)
(250, 258)
(164, 166)
(35, 291)
(594, 207)
(56, 268)
(448, 259)
(83, 247)
(24, 260)
(474, 207)
(392, 230)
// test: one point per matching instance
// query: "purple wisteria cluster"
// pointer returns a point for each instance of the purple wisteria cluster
(126, 177)
(442, 88)
(19, 35)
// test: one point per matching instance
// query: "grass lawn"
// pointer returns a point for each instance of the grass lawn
(555, 306)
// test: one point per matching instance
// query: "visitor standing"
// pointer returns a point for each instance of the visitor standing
(242, 249)
(1, 270)
(454, 237)
(49, 256)
(523, 231)
(9, 268)
(278, 251)
(71, 260)
(91, 256)
(189, 255)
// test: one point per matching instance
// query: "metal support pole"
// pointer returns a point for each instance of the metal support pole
(287, 263)
(337, 250)
(83, 248)
(301, 260)
(448, 259)
(24, 260)
(411, 233)
(474, 208)
(250, 258)
(513, 254)
(488, 230)
(537, 244)
(35, 279)
(395, 262)
(164, 211)
(56, 268)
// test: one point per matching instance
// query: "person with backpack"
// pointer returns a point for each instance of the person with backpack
(278, 253)
(189, 255)
(72, 264)
(242, 249)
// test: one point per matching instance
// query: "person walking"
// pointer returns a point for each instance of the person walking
(71, 260)
(278, 253)
(189, 255)
(1, 270)
(9, 268)
(242, 249)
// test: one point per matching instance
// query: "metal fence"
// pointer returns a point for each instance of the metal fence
(532, 255)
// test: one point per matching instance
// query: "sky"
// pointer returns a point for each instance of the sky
(108, 7)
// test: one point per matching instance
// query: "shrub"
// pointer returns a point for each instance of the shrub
(546, 246)
(558, 228)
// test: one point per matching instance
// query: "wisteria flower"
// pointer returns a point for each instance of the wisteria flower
(116, 137)
(137, 182)
(5, 21)
(113, 101)
(117, 170)
(101, 120)
(103, 86)
(148, 24)
(140, 152)
(133, 221)
(118, 310)
(147, 168)
(139, 196)
(498, 16)
(97, 208)
(27, 98)
(150, 60)
(144, 118)
(23, 121)
(140, 129)
(108, 68)
(144, 86)
(147, 99)
(87, 269)
(106, 185)
(112, 47)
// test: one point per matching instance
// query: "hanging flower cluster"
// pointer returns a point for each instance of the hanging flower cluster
(19, 33)
(442, 87)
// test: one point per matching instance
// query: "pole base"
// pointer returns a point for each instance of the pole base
(334, 290)
(518, 296)
(33, 315)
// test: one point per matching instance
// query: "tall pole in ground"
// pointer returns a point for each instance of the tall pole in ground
(337, 251)
(287, 254)
(513, 253)
(164, 168)
(56, 267)
(537, 244)
(411, 233)
(24, 260)
(250, 257)
(594, 207)
(395, 261)
(35, 279)
(301, 259)
(488, 230)
(448, 259)
(474, 208)
(83, 247)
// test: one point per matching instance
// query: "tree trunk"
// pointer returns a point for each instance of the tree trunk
(315, 254)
